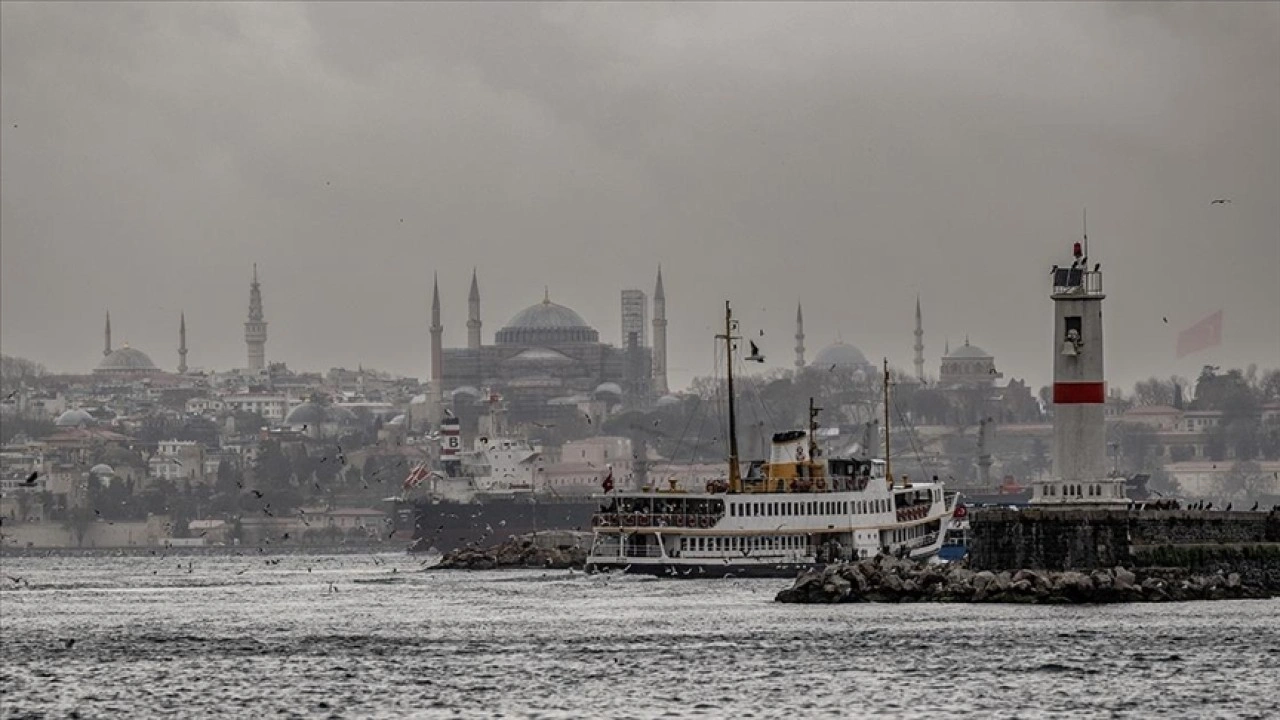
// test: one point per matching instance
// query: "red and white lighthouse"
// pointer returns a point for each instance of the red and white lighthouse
(1080, 476)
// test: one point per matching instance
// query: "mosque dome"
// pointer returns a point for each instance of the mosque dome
(969, 351)
(314, 413)
(841, 354)
(546, 323)
(126, 360)
(397, 420)
(539, 356)
(102, 469)
(668, 400)
(74, 418)
(609, 388)
(467, 390)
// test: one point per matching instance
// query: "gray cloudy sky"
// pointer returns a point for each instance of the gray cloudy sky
(850, 156)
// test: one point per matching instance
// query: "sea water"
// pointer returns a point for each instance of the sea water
(377, 636)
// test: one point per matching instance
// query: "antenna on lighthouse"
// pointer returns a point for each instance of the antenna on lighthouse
(1085, 223)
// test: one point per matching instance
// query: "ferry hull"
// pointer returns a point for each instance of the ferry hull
(444, 526)
(713, 569)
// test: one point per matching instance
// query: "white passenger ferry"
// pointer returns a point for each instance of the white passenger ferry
(797, 510)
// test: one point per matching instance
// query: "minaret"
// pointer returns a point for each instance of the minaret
(919, 347)
(473, 314)
(1080, 476)
(106, 349)
(437, 355)
(659, 337)
(255, 330)
(182, 344)
(799, 337)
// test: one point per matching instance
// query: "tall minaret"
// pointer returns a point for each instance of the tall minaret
(919, 348)
(106, 349)
(255, 330)
(182, 344)
(659, 337)
(437, 355)
(473, 314)
(799, 337)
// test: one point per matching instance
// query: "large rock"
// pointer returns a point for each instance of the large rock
(518, 552)
(1123, 579)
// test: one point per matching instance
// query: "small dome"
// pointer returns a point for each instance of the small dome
(419, 399)
(308, 413)
(540, 355)
(608, 388)
(315, 413)
(340, 415)
(465, 390)
(841, 354)
(126, 359)
(668, 400)
(397, 420)
(74, 418)
(102, 469)
(569, 400)
(969, 351)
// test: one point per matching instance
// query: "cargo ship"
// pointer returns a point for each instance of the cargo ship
(484, 494)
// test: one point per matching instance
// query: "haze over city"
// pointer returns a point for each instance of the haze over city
(850, 157)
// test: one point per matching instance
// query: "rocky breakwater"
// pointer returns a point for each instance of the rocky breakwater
(887, 579)
(516, 552)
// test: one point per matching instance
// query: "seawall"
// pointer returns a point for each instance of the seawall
(1247, 543)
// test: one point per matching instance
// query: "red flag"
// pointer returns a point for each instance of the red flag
(416, 476)
(1205, 334)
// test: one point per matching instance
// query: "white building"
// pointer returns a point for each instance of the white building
(272, 407)
(178, 460)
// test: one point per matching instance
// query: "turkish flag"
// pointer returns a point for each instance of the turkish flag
(1205, 334)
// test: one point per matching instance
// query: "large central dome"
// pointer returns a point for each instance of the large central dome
(840, 354)
(546, 324)
(126, 360)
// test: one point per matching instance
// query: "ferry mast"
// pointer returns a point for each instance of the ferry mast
(735, 476)
(888, 464)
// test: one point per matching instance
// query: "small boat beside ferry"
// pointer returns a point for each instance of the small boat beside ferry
(795, 511)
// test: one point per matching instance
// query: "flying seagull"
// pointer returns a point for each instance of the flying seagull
(1220, 201)
(755, 355)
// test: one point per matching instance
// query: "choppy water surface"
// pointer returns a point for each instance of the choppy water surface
(364, 636)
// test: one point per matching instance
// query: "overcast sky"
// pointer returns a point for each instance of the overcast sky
(848, 156)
